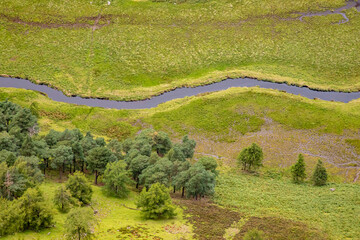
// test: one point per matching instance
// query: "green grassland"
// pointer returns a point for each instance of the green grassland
(136, 49)
(332, 212)
(116, 220)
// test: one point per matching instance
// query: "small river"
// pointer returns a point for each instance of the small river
(182, 92)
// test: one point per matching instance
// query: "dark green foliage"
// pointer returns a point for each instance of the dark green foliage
(116, 178)
(160, 172)
(8, 142)
(162, 143)
(251, 157)
(88, 143)
(28, 147)
(97, 160)
(79, 187)
(115, 146)
(63, 199)
(200, 182)
(52, 138)
(7, 157)
(79, 223)
(176, 153)
(62, 155)
(320, 175)
(209, 164)
(16, 120)
(36, 213)
(14, 180)
(137, 165)
(298, 170)
(188, 146)
(156, 203)
(254, 234)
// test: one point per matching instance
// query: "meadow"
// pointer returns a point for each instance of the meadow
(117, 218)
(136, 49)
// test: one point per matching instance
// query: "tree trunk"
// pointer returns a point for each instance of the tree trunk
(79, 234)
(196, 197)
(63, 168)
(96, 176)
(137, 184)
(174, 189)
(44, 169)
(183, 192)
(82, 166)
(60, 173)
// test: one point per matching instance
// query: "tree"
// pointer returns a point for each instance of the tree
(7, 157)
(79, 223)
(209, 164)
(200, 181)
(188, 146)
(320, 175)
(79, 187)
(63, 199)
(156, 202)
(137, 165)
(160, 172)
(162, 143)
(176, 153)
(116, 177)
(97, 160)
(298, 170)
(251, 157)
(36, 214)
(62, 155)
(115, 147)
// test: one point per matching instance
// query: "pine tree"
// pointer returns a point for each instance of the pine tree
(320, 175)
(298, 170)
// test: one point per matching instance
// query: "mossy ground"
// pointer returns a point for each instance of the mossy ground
(115, 220)
(135, 49)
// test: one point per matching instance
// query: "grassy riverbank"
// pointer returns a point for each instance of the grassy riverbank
(135, 49)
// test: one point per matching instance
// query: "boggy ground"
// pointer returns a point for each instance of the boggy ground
(136, 49)
(213, 222)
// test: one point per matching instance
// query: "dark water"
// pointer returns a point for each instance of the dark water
(178, 93)
(349, 5)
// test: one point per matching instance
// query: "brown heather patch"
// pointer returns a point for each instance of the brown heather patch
(280, 229)
(56, 115)
(209, 220)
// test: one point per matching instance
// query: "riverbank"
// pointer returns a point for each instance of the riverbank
(140, 51)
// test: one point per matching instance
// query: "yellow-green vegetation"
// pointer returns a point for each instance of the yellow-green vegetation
(135, 49)
(332, 212)
(116, 219)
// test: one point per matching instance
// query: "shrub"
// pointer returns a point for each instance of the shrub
(63, 199)
(254, 234)
(79, 187)
(156, 202)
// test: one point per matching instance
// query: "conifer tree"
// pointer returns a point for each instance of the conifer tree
(320, 175)
(298, 170)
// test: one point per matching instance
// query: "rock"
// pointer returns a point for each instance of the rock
(332, 189)
(95, 211)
